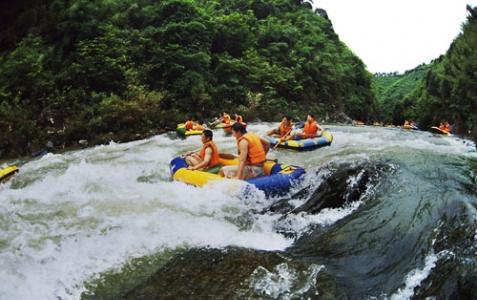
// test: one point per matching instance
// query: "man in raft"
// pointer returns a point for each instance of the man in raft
(252, 154)
(310, 130)
(238, 118)
(284, 129)
(207, 157)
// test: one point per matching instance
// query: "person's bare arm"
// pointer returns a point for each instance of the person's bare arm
(205, 162)
(243, 149)
(265, 144)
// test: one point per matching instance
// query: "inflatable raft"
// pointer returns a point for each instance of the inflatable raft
(410, 127)
(5, 173)
(303, 145)
(440, 131)
(278, 178)
(183, 132)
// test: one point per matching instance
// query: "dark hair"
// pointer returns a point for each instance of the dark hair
(208, 134)
(288, 118)
(200, 122)
(313, 116)
(239, 127)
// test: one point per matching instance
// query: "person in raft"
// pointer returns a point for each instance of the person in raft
(445, 126)
(207, 157)
(199, 126)
(238, 118)
(189, 124)
(252, 154)
(310, 130)
(285, 128)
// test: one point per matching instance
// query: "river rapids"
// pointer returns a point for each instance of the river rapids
(380, 214)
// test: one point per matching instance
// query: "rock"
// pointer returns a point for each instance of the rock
(49, 145)
(83, 142)
(236, 273)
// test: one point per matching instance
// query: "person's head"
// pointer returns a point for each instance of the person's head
(310, 118)
(238, 129)
(207, 136)
(224, 114)
(286, 119)
(200, 122)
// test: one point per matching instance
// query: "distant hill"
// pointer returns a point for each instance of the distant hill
(391, 90)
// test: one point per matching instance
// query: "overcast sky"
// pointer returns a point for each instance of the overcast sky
(396, 35)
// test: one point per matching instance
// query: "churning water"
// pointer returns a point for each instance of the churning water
(100, 222)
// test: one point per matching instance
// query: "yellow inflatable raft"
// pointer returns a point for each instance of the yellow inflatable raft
(181, 131)
(278, 178)
(7, 172)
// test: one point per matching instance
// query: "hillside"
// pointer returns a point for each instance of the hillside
(111, 69)
(391, 90)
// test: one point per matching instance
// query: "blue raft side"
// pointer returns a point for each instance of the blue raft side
(176, 164)
(308, 144)
(275, 184)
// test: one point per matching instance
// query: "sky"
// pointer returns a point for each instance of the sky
(396, 35)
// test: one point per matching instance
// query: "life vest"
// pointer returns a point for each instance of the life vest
(284, 129)
(189, 125)
(214, 160)
(310, 130)
(226, 119)
(198, 127)
(239, 119)
(256, 154)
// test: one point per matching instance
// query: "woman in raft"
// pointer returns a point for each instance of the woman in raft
(207, 157)
(285, 128)
(311, 130)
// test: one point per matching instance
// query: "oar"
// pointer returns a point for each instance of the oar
(282, 139)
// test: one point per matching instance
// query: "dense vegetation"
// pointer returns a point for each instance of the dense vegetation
(392, 89)
(97, 70)
(450, 87)
(448, 91)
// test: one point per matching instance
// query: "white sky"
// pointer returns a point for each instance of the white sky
(396, 35)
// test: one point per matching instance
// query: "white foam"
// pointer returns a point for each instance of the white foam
(415, 277)
(283, 282)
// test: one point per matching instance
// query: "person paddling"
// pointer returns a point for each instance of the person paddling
(285, 128)
(310, 130)
(252, 154)
(207, 157)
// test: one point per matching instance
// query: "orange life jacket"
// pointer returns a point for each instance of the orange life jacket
(285, 129)
(310, 130)
(226, 119)
(239, 119)
(256, 154)
(214, 160)
(189, 125)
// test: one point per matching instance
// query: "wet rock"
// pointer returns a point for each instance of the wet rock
(455, 273)
(235, 273)
(341, 185)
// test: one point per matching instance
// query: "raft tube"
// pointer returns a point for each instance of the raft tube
(5, 173)
(437, 130)
(410, 127)
(225, 126)
(303, 145)
(278, 178)
(181, 131)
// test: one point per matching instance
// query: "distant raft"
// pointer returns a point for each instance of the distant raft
(437, 130)
(410, 127)
(5, 173)
(324, 140)
(183, 132)
(278, 178)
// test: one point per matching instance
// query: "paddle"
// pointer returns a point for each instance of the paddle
(282, 139)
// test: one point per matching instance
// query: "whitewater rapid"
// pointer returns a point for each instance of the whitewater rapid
(66, 218)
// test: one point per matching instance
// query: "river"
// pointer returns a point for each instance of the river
(381, 214)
